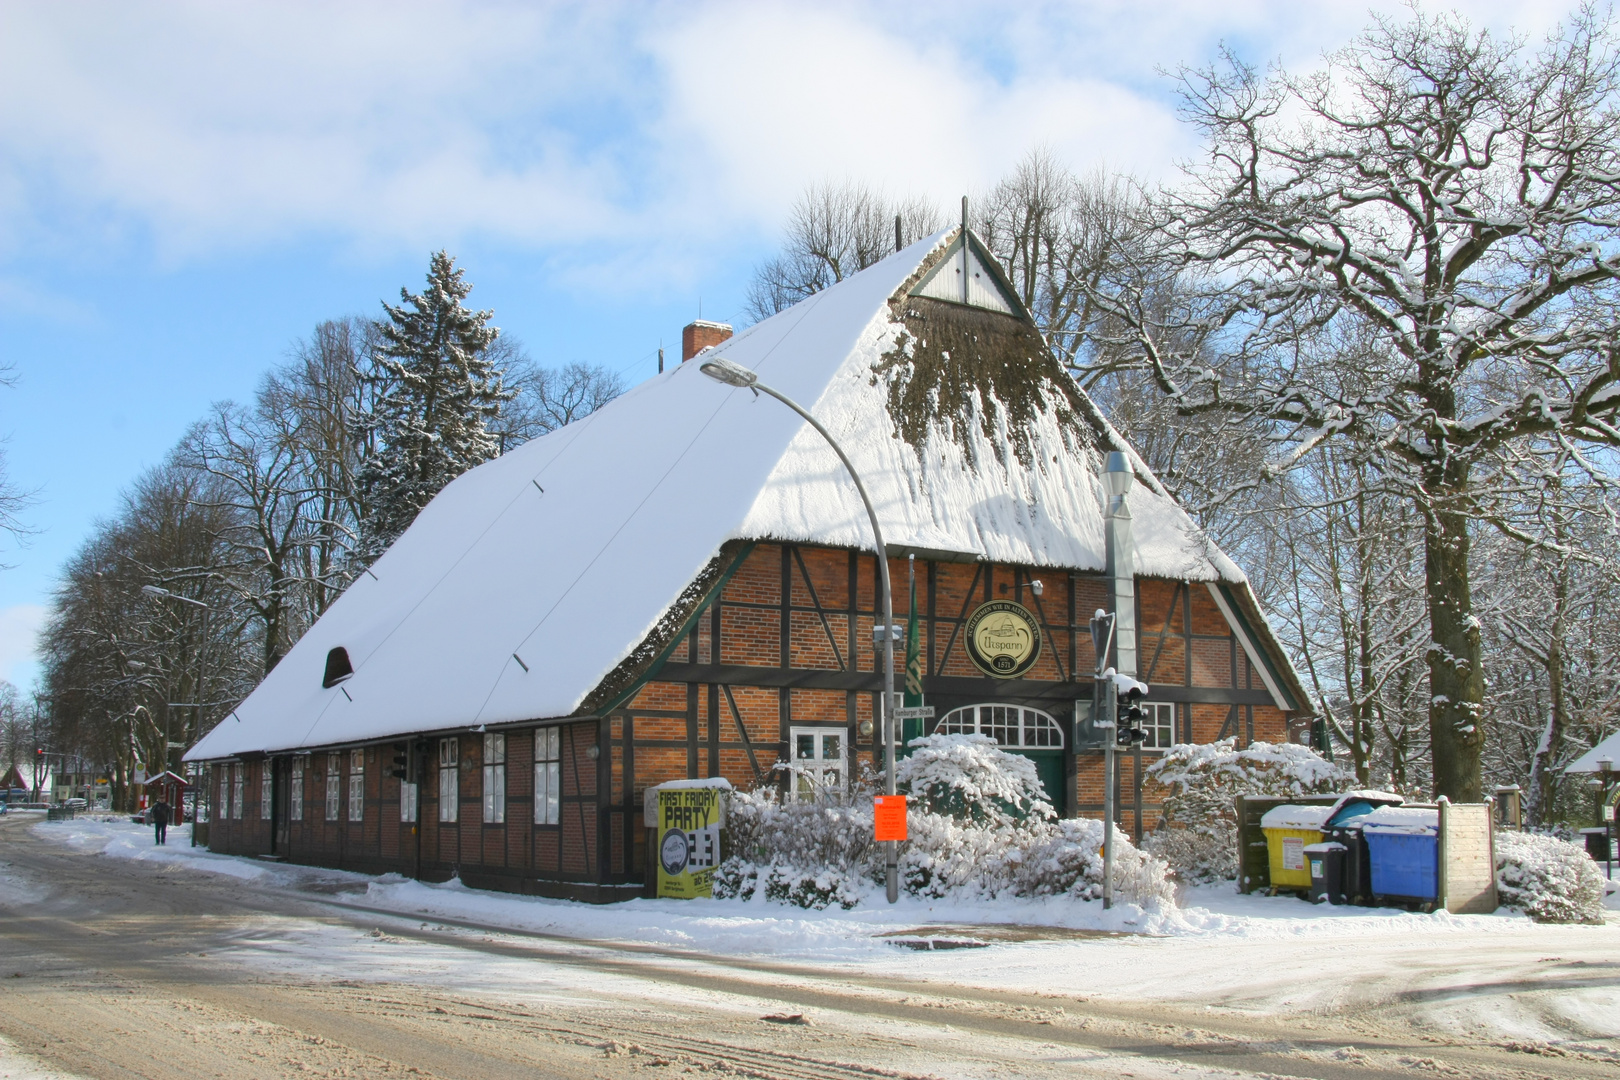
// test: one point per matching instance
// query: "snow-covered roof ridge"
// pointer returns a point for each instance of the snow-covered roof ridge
(530, 579)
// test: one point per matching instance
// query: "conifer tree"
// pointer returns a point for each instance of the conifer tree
(436, 391)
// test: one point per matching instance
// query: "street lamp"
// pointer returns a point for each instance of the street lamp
(196, 709)
(734, 374)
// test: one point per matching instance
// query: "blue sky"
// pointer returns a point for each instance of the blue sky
(186, 188)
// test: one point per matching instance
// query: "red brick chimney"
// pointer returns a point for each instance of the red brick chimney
(701, 334)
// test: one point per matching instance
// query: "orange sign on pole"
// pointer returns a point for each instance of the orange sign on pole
(889, 817)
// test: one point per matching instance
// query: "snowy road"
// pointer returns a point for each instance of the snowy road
(116, 960)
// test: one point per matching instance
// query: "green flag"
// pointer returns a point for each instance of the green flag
(912, 729)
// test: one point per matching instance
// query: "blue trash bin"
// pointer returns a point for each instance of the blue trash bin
(1403, 844)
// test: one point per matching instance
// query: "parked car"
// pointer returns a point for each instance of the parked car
(75, 804)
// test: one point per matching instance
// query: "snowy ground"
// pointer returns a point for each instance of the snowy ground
(1465, 975)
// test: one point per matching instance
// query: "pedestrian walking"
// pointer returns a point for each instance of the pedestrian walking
(160, 820)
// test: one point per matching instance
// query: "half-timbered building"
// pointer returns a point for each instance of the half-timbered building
(682, 585)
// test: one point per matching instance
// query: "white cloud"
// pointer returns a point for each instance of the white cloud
(19, 633)
(597, 132)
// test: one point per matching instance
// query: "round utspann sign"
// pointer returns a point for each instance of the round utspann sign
(1003, 639)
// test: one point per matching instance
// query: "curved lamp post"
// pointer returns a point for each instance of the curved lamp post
(733, 374)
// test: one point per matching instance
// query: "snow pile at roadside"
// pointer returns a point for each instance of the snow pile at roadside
(1212, 913)
(121, 839)
(1198, 837)
(979, 828)
(1550, 880)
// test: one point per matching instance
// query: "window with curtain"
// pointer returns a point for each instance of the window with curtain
(548, 776)
(494, 778)
(334, 785)
(449, 779)
(357, 785)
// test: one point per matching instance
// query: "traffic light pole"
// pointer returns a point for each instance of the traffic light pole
(1121, 555)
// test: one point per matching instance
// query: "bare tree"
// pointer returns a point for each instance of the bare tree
(1452, 199)
(545, 399)
(1055, 234)
(126, 671)
(835, 230)
(1551, 618)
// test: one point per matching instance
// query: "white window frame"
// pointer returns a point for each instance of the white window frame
(238, 789)
(266, 789)
(224, 792)
(449, 779)
(334, 785)
(407, 801)
(295, 794)
(818, 777)
(1036, 729)
(494, 778)
(548, 776)
(1159, 721)
(357, 785)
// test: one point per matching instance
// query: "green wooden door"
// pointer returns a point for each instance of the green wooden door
(1049, 767)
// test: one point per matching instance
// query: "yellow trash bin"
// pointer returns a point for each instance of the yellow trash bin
(1289, 830)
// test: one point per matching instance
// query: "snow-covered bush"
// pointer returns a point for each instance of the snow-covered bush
(970, 778)
(810, 854)
(980, 826)
(1198, 836)
(1549, 879)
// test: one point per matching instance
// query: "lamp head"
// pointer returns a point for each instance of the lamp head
(1117, 476)
(723, 370)
(153, 590)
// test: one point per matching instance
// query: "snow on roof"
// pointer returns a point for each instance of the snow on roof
(530, 578)
(1588, 762)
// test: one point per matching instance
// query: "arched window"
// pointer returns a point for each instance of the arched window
(338, 668)
(1012, 726)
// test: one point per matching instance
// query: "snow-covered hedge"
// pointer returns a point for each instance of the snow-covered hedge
(811, 854)
(970, 778)
(979, 825)
(1549, 879)
(1198, 836)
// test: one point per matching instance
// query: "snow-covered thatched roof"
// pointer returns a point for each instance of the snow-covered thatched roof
(531, 578)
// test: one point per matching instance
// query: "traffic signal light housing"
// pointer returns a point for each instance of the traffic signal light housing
(402, 762)
(1128, 710)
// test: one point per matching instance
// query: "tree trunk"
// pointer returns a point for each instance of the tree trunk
(1543, 776)
(1456, 681)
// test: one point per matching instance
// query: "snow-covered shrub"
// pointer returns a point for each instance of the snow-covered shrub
(1549, 879)
(1069, 859)
(970, 778)
(810, 854)
(981, 826)
(1198, 836)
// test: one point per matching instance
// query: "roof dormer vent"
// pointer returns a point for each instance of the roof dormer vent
(338, 668)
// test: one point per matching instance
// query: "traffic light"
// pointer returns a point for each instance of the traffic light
(1128, 713)
(402, 762)
(419, 773)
